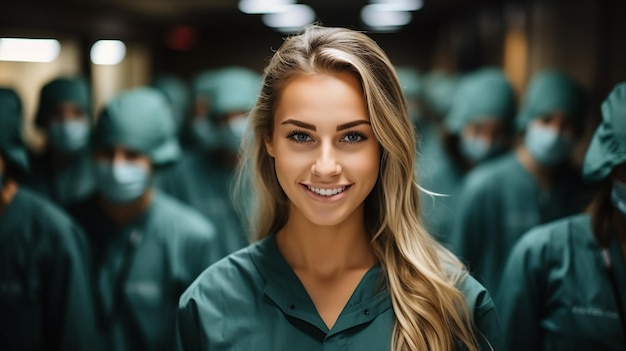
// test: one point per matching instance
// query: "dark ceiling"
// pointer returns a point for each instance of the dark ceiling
(111, 18)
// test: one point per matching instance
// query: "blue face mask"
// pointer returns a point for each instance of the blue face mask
(618, 196)
(232, 133)
(546, 146)
(69, 136)
(205, 133)
(121, 182)
(476, 150)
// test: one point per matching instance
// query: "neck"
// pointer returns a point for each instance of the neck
(542, 174)
(123, 214)
(325, 251)
(7, 194)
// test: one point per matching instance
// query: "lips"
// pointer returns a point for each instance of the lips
(327, 191)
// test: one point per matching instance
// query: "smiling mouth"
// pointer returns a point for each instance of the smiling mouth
(327, 192)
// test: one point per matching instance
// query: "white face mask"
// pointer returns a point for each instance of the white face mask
(546, 146)
(477, 150)
(618, 196)
(232, 133)
(121, 182)
(69, 136)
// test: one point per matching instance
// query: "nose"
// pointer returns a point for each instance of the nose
(326, 164)
(117, 156)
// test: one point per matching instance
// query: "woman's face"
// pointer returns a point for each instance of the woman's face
(326, 154)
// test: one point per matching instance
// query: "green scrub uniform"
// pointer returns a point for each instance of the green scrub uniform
(197, 180)
(439, 174)
(498, 202)
(556, 294)
(140, 271)
(252, 300)
(66, 187)
(45, 302)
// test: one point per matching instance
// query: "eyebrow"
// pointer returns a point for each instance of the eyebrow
(312, 127)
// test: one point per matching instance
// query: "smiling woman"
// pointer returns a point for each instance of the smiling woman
(342, 260)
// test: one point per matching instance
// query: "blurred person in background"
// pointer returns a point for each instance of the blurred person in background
(478, 128)
(204, 176)
(45, 301)
(564, 284)
(199, 130)
(63, 170)
(178, 94)
(146, 247)
(500, 200)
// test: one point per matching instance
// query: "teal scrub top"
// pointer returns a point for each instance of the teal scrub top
(437, 173)
(556, 294)
(253, 300)
(140, 271)
(498, 202)
(200, 182)
(70, 185)
(45, 303)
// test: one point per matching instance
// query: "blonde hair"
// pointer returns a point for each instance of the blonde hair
(421, 275)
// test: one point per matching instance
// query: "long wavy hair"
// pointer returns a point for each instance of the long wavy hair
(421, 275)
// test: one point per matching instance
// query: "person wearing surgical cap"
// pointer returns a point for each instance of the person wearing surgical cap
(45, 301)
(62, 171)
(479, 128)
(204, 176)
(500, 200)
(146, 247)
(564, 284)
(178, 95)
(198, 130)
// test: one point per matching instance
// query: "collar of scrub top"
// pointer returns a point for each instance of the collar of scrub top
(284, 288)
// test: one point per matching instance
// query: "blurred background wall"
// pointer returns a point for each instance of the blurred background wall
(586, 38)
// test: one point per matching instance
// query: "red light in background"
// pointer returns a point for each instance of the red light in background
(181, 38)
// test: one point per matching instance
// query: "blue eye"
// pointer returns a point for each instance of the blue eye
(353, 137)
(299, 136)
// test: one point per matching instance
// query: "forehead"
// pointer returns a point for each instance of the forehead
(322, 97)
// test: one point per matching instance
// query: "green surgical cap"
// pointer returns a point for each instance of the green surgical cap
(480, 94)
(11, 142)
(234, 89)
(60, 90)
(177, 93)
(550, 92)
(608, 146)
(203, 84)
(140, 120)
(410, 81)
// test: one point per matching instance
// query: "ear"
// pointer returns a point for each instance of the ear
(269, 145)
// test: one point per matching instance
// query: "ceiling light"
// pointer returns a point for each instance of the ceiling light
(378, 15)
(293, 18)
(399, 5)
(263, 6)
(108, 52)
(29, 50)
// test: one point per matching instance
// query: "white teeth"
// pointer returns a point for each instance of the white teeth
(326, 192)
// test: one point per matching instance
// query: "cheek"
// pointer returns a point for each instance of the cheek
(289, 166)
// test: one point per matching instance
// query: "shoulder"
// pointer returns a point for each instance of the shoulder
(234, 278)
(558, 234)
(168, 212)
(46, 220)
(37, 209)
